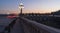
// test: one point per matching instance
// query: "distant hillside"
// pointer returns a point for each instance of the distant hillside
(56, 13)
(36, 13)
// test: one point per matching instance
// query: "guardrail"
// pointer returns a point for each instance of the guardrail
(34, 27)
(10, 26)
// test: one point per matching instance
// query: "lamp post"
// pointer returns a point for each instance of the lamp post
(21, 6)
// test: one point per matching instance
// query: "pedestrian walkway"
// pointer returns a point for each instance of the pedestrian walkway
(17, 28)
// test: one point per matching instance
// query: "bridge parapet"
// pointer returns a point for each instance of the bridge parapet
(34, 27)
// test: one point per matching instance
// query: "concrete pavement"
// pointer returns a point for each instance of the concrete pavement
(17, 28)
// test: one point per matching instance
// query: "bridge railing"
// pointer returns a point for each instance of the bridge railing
(34, 27)
(10, 26)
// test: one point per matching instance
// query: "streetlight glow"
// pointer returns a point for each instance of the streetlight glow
(21, 5)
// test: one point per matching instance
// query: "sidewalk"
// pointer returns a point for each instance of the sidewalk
(17, 28)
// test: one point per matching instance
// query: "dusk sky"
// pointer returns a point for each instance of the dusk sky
(36, 6)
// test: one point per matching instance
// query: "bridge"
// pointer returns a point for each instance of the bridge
(24, 25)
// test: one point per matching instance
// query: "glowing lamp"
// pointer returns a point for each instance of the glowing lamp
(21, 5)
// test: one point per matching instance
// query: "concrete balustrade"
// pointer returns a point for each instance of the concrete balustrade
(34, 27)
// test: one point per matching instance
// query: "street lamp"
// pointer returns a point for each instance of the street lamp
(21, 6)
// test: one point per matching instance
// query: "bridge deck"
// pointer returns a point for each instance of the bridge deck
(17, 28)
(29, 26)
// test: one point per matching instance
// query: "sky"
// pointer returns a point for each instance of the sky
(30, 6)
